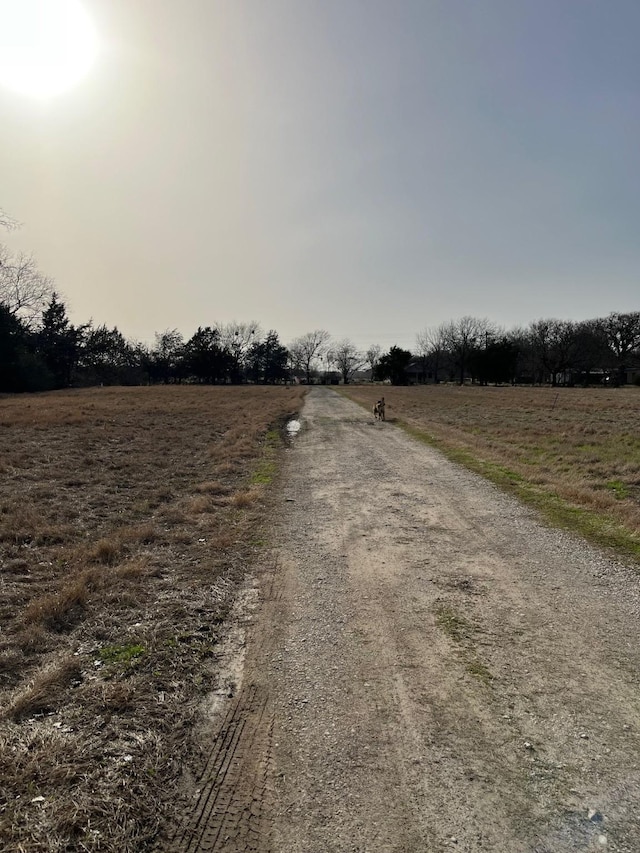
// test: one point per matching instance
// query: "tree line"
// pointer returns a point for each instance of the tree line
(54, 353)
(547, 351)
(40, 349)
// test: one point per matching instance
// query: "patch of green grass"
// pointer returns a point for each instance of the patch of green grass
(460, 631)
(264, 474)
(266, 469)
(453, 625)
(620, 489)
(272, 438)
(479, 671)
(124, 654)
(500, 473)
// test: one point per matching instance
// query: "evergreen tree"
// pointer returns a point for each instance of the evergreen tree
(205, 358)
(59, 343)
(393, 365)
(267, 360)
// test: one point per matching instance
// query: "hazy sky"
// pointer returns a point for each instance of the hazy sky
(371, 167)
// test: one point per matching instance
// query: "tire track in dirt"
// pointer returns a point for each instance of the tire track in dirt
(229, 810)
(232, 802)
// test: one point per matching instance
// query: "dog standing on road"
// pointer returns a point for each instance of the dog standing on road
(378, 410)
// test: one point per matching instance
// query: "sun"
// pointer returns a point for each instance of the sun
(46, 46)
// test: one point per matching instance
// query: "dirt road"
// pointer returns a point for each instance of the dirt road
(427, 669)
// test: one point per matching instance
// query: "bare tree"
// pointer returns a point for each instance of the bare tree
(237, 339)
(623, 337)
(24, 290)
(167, 355)
(431, 346)
(7, 222)
(463, 336)
(555, 345)
(347, 358)
(306, 350)
(592, 349)
(438, 348)
(372, 356)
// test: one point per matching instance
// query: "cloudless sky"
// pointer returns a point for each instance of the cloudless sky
(371, 167)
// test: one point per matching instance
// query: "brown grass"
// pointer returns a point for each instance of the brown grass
(199, 504)
(32, 638)
(213, 487)
(134, 569)
(575, 452)
(126, 517)
(245, 498)
(62, 608)
(105, 551)
(46, 691)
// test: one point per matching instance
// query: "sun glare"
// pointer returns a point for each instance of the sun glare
(46, 46)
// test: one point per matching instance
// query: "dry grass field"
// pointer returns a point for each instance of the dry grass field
(573, 453)
(127, 519)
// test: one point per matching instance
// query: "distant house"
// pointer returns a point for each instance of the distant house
(329, 377)
(595, 376)
(418, 372)
(599, 376)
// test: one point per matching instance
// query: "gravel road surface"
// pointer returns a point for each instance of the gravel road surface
(427, 668)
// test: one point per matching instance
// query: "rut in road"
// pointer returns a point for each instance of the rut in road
(233, 784)
(431, 669)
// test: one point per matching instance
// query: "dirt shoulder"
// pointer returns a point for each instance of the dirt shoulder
(428, 668)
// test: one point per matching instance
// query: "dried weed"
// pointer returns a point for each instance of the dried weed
(124, 536)
(105, 551)
(198, 505)
(245, 498)
(212, 487)
(46, 690)
(61, 609)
